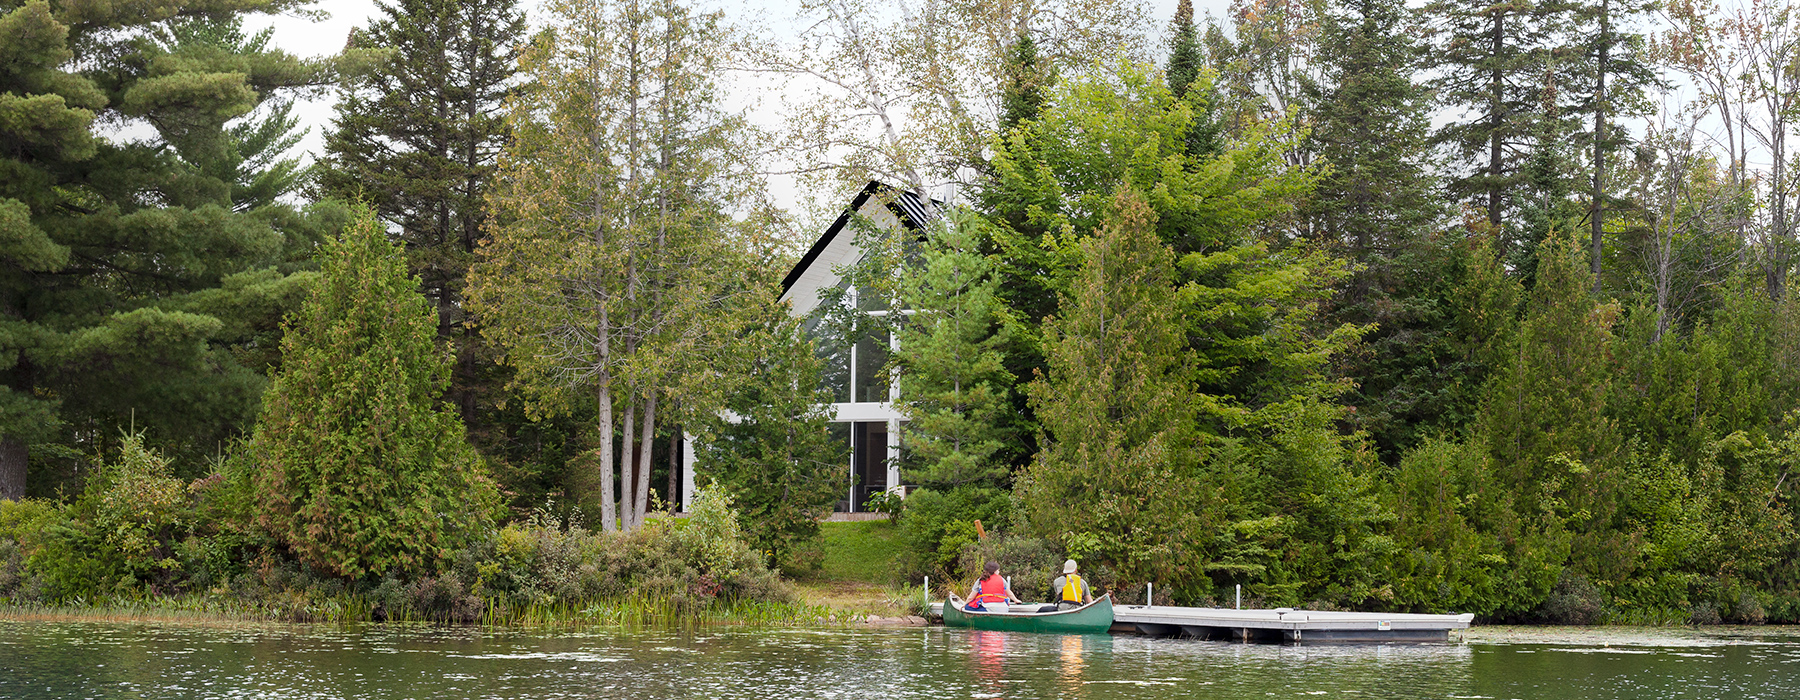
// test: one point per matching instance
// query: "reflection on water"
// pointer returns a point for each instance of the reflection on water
(40, 660)
(1074, 655)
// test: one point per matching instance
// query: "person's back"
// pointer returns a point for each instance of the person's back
(1070, 589)
(991, 593)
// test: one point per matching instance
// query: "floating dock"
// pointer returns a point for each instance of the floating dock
(1281, 625)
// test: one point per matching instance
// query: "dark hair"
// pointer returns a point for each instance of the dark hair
(992, 567)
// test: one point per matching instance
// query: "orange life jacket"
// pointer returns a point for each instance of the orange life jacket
(993, 590)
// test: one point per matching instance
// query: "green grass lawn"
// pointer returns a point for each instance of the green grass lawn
(862, 552)
(857, 572)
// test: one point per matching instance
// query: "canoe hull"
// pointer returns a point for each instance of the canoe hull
(1093, 618)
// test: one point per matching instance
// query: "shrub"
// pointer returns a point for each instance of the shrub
(360, 468)
(1031, 563)
(1574, 601)
(135, 512)
(935, 526)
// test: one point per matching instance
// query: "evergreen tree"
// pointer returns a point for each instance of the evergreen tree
(1185, 58)
(1026, 79)
(418, 136)
(954, 385)
(115, 256)
(777, 456)
(1186, 75)
(1115, 478)
(1491, 60)
(1615, 74)
(1370, 125)
(1554, 444)
(249, 156)
(359, 469)
(614, 270)
(1375, 204)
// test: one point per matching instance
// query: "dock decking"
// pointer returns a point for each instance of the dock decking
(1281, 625)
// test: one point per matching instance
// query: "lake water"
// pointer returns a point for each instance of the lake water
(83, 660)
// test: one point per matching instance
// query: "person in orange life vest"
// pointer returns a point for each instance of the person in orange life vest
(991, 593)
(1070, 589)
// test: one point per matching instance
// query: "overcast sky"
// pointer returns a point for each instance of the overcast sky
(303, 37)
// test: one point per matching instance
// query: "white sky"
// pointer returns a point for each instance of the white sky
(303, 37)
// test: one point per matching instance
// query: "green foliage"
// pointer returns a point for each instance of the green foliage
(137, 510)
(103, 240)
(1031, 563)
(1117, 408)
(1027, 78)
(417, 136)
(359, 469)
(935, 527)
(955, 389)
(776, 455)
(617, 268)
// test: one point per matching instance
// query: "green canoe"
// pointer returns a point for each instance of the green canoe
(1093, 618)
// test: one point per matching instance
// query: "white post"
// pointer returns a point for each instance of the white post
(893, 455)
(687, 473)
(927, 594)
(1149, 594)
(1239, 604)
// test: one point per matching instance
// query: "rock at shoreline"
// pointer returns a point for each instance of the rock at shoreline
(908, 621)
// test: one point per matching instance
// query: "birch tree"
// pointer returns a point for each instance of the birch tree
(1745, 62)
(617, 267)
(909, 92)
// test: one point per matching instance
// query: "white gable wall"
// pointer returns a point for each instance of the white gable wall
(840, 253)
(802, 298)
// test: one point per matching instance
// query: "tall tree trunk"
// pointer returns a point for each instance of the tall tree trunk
(1597, 215)
(1779, 234)
(627, 463)
(608, 515)
(1496, 119)
(14, 455)
(641, 508)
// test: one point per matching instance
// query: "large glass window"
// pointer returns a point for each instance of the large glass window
(855, 362)
(834, 356)
(871, 373)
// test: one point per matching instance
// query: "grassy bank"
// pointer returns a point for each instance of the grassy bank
(854, 580)
(629, 613)
(856, 575)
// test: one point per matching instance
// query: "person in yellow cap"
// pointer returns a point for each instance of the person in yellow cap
(1071, 589)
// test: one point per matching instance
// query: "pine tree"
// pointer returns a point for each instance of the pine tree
(359, 469)
(1491, 59)
(954, 385)
(131, 276)
(249, 156)
(1115, 477)
(418, 137)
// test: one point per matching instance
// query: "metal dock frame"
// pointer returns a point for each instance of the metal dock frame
(1285, 625)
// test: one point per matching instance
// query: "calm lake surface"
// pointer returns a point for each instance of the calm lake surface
(84, 660)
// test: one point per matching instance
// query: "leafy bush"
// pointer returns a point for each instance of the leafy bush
(935, 526)
(134, 512)
(1031, 563)
(360, 469)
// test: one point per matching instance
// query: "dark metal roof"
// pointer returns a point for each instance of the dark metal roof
(913, 211)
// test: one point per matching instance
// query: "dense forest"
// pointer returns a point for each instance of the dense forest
(1354, 303)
